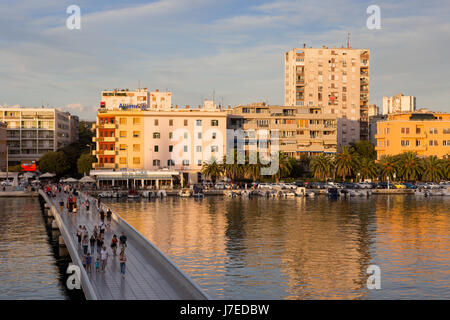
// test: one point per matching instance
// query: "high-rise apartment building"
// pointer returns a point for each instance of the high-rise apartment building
(31, 132)
(300, 130)
(424, 132)
(335, 80)
(399, 103)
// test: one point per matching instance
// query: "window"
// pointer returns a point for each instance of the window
(156, 135)
(214, 148)
(136, 120)
(433, 131)
(156, 122)
(185, 148)
(136, 134)
(185, 162)
(214, 123)
(405, 143)
(136, 160)
(185, 135)
(185, 123)
(123, 147)
(170, 122)
(198, 148)
(170, 163)
(156, 163)
(446, 143)
(405, 130)
(433, 143)
(417, 130)
(199, 135)
(156, 148)
(170, 148)
(417, 143)
(122, 160)
(214, 135)
(136, 147)
(123, 134)
(199, 162)
(198, 123)
(170, 135)
(123, 120)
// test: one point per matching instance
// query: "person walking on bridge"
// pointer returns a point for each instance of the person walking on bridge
(123, 260)
(104, 258)
(123, 241)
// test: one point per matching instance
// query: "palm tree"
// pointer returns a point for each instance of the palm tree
(252, 170)
(232, 170)
(368, 168)
(433, 169)
(410, 166)
(284, 166)
(212, 169)
(321, 166)
(345, 163)
(388, 166)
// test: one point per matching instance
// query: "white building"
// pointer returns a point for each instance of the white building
(31, 132)
(142, 99)
(399, 103)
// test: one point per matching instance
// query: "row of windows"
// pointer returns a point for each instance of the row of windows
(123, 121)
(156, 162)
(157, 135)
(432, 143)
(137, 148)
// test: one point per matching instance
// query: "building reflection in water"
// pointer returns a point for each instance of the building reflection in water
(302, 248)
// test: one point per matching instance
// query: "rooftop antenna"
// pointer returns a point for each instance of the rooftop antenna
(348, 40)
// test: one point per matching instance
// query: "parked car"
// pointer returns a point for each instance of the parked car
(364, 185)
(220, 186)
(399, 186)
(265, 186)
(409, 185)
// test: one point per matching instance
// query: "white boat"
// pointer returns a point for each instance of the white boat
(185, 193)
(161, 194)
(300, 191)
(289, 193)
(310, 193)
(133, 196)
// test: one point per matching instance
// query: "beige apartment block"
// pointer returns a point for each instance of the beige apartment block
(31, 132)
(336, 80)
(300, 129)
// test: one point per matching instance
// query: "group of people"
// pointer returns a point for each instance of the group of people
(96, 242)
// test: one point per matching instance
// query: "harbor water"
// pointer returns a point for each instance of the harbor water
(302, 248)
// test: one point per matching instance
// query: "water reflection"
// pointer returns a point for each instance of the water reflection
(302, 248)
(28, 267)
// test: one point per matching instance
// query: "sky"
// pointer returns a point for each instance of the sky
(199, 48)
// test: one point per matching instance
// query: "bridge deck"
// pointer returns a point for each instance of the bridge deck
(144, 279)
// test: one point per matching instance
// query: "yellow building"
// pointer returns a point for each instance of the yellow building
(134, 140)
(424, 132)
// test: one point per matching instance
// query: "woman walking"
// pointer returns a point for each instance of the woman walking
(85, 243)
(99, 243)
(114, 244)
(108, 219)
(123, 260)
(104, 258)
(92, 242)
(79, 231)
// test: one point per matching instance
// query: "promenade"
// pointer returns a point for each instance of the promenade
(146, 278)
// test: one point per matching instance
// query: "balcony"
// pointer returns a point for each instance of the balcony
(104, 139)
(105, 126)
(104, 165)
(104, 152)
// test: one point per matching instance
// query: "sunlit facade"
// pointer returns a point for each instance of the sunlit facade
(423, 132)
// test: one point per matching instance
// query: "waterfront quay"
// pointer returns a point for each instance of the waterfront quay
(150, 274)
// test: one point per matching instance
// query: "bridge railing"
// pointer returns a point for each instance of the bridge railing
(182, 279)
(86, 285)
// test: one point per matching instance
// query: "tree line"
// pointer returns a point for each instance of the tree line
(356, 162)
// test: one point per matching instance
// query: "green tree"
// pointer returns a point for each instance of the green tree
(368, 168)
(387, 165)
(212, 169)
(54, 162)
(346, 163)
(321, 166)
(433, 169)
(410, 166)
(363, 149)
(84, 163)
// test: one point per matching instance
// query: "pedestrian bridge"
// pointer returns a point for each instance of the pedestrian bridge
(150, 275)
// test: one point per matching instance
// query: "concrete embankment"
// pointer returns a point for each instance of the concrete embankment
(19, 194)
